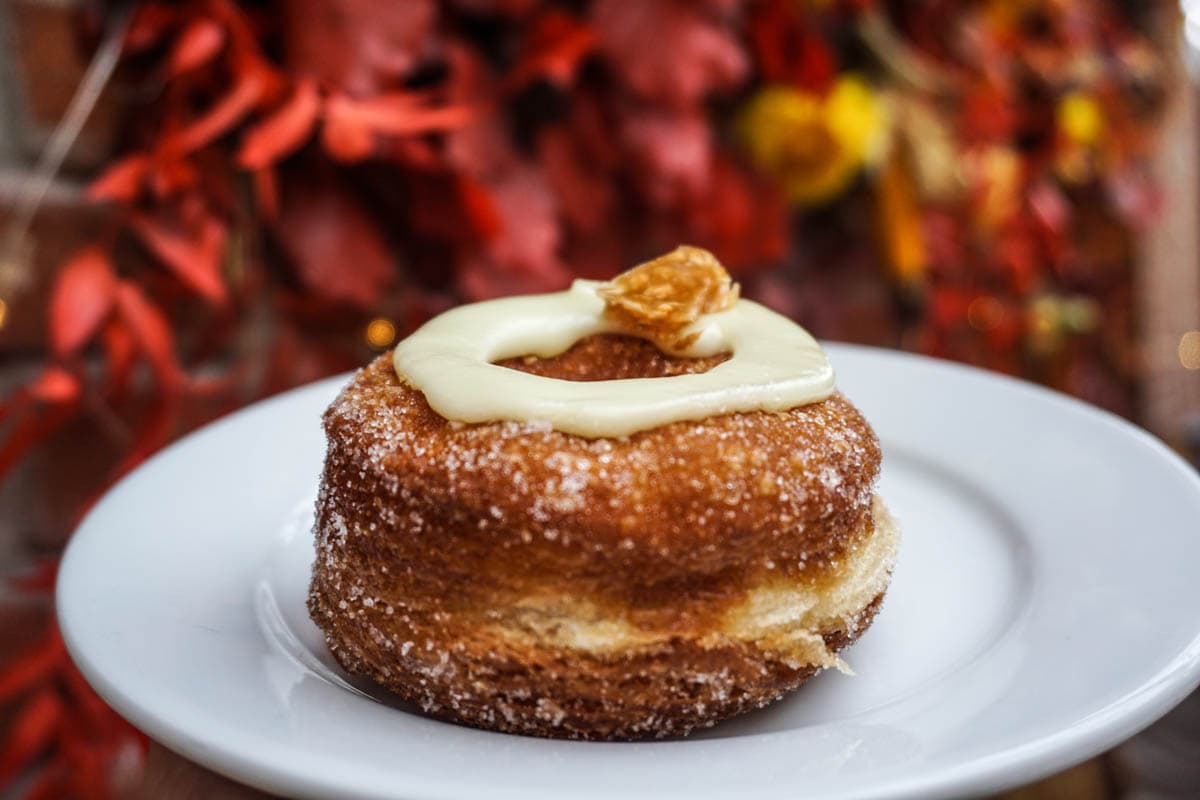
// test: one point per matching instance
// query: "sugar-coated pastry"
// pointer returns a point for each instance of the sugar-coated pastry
(637, 523)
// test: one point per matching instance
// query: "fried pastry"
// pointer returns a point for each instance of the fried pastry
(557, 554)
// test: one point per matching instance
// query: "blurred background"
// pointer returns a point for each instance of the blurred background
(206, 202)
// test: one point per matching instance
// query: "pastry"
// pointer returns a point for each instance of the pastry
(622, 511)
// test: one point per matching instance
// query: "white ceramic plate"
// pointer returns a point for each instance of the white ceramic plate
(1046, 605)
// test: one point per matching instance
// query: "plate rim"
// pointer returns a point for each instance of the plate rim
(995, 771)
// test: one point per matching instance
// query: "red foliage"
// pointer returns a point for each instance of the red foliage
(198, 43)
(33, 425)
(123, 181)
(988, 115)
(192, 252)
(154, 431)
(669, 51)
(266, 192)
(788, 48)
(81, 298)
(669, 153)
(151, 333)
(62, 722)
(55, 385)
(742, 218)
(479, 208)
(554, 48)
(31, 732)
(120, 351)
(246, 93)
(358, 46)
(352, 127)
(31, 668)
(586, 194)
(284, 130)
(337, 249)
(525, 262)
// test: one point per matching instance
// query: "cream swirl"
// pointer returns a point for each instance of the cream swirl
(774, 365)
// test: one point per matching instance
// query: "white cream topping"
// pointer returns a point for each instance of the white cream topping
(774, 365)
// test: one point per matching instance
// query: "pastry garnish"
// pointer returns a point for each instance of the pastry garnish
(661, 299)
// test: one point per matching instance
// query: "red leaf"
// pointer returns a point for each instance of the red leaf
(150, 330)
(284, 130)
(587, 197)
(55, 385)
(393, 115)
(222, 115)
(523, 258)
(817, 66)
(557, 44)
(31, 667)
(154, 431)
(39, 579)
(347, 138)
(508, 8)
(197, 44)
(13, 404)
(530, 234)
(88, 770)
(173, 176)
(351, 125)
(415, 154)
(669, 51)
(445, 205)
(742, 218)
(194, 256)
(266, 192)
(122, 182)
(50, 784)
(948, 307)
(671, 153)
(591, 125)
(81, 299)
(86, 702)
(480, 209)
(359, 45)
(121, 350)
(30, 733)
(770, 30)
(30, 431)
(789, 49)
(150, 23)
(988, 114)
(338, 250)
(345, 135)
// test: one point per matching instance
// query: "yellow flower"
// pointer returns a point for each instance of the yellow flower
(1081, 128)
(814, 145)
(1080, 119)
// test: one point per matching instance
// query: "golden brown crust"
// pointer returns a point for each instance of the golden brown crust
(654, 692)
(425, 527)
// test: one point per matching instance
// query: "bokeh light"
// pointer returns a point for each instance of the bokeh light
(1189, 350)
(380, 333)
